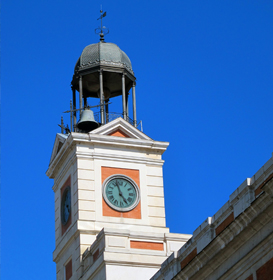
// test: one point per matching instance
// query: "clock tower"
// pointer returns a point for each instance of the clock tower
(108, 181)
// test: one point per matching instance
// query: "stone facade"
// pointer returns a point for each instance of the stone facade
(236, 243)
(99, 242)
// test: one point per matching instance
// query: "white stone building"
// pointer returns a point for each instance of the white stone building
(108, 182)
(236, 243)
(109, 199)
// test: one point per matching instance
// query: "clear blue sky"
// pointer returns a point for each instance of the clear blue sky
(204, 83)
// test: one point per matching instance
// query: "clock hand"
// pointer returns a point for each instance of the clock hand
(118, 188)
(120, 193)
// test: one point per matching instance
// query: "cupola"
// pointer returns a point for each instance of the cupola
(103, 71)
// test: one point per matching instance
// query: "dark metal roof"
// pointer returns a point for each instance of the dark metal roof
(103, 54)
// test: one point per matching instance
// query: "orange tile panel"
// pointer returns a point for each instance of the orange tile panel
(147, 245)
(119, 133)
(106, 209)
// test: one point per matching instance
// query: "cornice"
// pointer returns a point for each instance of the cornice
(75, 139)
(113, 157)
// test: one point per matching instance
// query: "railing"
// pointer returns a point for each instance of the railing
(112, 116)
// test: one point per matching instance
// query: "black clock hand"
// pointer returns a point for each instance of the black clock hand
(120, 193)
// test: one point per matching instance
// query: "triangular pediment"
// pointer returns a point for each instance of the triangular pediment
(59, 141)
(120, 128)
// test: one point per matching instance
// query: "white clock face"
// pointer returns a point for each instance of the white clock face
(121, 193)
(66, 205)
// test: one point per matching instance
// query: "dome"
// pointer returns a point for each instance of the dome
(109, 59)
(107, 54)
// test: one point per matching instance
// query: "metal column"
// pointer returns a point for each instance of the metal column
(81, 93)
(127, 107)
(71, 116)
(107, 110)
(134, 103)
(101, 99)
(75, 112)
(124, 98)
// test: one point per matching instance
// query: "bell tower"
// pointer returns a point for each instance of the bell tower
(108, 179)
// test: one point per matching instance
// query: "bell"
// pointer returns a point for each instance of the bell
(87, 121)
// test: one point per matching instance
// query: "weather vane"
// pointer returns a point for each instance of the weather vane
(102, 30)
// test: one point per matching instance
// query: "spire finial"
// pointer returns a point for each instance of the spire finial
(102, 30)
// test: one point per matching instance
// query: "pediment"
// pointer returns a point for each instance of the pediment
(59, 141)
(120, 128)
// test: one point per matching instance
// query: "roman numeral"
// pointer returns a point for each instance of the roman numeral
(110, 187)
(111, 197)
(129, 199)
(131, 194)
(110, 192)
(116, 202)
(129, 189)
(121, 204)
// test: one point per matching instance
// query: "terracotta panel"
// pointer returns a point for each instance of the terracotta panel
(224, 224)
(68, 270)
(189, 257)
(106, 209)
(265, 272)
(119, 133)
(96, 255)
(259, 189)
(147, 245)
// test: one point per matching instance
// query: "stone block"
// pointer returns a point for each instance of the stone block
(120, 242)
(155, 201)
(157, 221)
(87, 239)
(86, 205)
(156, 212)
(86, 195)
(86, 174)
(85, 164)
(86, 215)
(155, 191)
(154, 181)
(86, 185)
(154, 171)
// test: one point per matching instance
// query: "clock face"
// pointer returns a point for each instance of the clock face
(120, 193)
(66, 205)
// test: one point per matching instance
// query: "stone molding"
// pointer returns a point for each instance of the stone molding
(119, 251)
(99, 136)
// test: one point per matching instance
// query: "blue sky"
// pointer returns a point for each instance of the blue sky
(204, 83)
